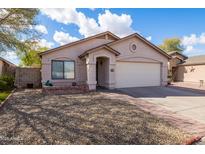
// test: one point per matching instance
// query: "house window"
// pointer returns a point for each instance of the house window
(134, 47)
(63, 69)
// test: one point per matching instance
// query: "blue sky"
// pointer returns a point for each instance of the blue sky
(60, 26)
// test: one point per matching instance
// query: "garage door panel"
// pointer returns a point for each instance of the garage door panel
(130, 74)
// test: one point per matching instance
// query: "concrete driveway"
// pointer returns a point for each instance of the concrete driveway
(189, 103)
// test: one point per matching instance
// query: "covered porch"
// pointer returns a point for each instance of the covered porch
(100, 67)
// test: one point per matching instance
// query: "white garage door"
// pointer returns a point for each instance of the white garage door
(130, 74)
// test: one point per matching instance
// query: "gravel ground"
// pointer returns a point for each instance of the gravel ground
(201, 142)
(29, 117)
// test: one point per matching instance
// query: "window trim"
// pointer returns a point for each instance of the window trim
(63, 70)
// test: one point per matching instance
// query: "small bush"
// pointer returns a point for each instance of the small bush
(9, 80)
(4, 95)
(3, 85)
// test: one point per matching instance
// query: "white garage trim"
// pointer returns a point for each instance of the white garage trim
(138, 59)
(135, 74)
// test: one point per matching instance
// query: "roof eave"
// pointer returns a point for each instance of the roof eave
(189, 64)
(79, 41)
(98, 48)
(144, 40)
(176, 52)
(8, 62)
(154, 46)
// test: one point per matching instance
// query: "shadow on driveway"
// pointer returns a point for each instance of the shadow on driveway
(183, 101)
(159, 92)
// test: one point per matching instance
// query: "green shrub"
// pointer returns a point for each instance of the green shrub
(8, 79)
(3, 85)
(4, 95)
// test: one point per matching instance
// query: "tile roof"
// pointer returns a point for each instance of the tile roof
(80, 41)
(176, 52)
(195, 60)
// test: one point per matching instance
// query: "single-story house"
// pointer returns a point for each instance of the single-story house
(7, 67)
(106, 60)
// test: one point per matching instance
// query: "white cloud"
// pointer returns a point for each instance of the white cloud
(149, 38)
(41, 29)
(63, 38)
(10, 56)
(202, 38)
(193, 51)
(193, 39)
(118, 24)
(189, 48)
(87, 26)
(193, 44)
(45, 43)
(66, 16)
(93, 9)
(189, 40)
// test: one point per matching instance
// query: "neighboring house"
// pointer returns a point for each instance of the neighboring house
(192, 70)
(106, 60)
(7, 67)
(186, 69)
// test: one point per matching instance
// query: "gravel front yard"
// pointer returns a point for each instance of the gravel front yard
(33, 118)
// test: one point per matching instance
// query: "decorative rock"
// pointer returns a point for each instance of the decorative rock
(202, 141)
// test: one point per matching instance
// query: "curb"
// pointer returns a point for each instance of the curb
(4, 102)
(193, 140)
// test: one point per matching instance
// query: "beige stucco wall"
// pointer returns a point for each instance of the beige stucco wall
(143, 53)
(1, 67)
(174, 62)
(70, 53)
(192, 73)
(6, 68)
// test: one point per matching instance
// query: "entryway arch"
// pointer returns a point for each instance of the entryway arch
(101, 69)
